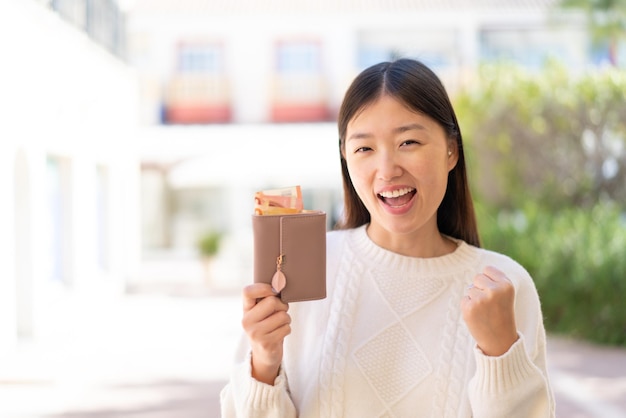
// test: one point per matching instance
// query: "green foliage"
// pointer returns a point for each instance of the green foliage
(577, 258)
(548, 169)
(209, 243)
(550, 136)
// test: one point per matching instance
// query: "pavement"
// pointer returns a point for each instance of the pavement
(164, 350)
(588, 380)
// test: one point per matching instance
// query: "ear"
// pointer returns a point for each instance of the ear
(453, 155)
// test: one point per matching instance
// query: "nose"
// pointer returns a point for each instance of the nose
(388, 167)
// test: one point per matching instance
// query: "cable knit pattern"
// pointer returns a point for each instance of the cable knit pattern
(390, 342)
(453, 356)
(335, 349)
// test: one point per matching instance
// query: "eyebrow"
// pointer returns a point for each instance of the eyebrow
(398, 130)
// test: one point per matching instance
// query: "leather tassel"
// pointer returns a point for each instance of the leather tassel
(279, 281)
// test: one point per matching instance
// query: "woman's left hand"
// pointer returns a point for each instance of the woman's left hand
(488, 311)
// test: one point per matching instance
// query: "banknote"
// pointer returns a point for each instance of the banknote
(280, 201)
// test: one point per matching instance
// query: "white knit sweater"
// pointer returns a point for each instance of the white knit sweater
(390, 341)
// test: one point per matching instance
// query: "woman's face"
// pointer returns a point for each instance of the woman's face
(398, 161)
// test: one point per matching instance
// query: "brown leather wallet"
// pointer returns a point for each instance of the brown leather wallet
(296, 245)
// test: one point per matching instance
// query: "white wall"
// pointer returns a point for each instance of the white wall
(249, 41)
(63, 97)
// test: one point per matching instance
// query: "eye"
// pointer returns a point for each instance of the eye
(410, 142)
(362, 149)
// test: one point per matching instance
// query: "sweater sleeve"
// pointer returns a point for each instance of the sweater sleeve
(516, 384)
(510, 386)
(244, 396)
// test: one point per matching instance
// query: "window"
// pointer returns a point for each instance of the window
(439, 49)
(299, 86)
(531, 47)
(200, 58)
(58, 223)
(102, 217)
(298, 57)
(199, 90)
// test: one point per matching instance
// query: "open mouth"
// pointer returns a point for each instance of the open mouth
(398, 197)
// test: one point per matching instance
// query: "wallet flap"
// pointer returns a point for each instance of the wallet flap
(301, 240)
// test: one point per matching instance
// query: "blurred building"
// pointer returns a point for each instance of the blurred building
(126, 134)
(69, 176)
(244, 61)
(233, 92)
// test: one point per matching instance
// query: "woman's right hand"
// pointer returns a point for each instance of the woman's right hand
(266, 323)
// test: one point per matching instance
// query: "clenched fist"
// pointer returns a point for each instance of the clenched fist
(488, 311)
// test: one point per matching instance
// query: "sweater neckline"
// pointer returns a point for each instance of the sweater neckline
(374, 255)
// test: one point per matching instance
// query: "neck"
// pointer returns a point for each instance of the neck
(420, 244)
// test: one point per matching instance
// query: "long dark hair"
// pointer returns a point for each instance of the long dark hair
(415, 85)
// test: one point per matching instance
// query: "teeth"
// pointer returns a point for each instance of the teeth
(397, 192)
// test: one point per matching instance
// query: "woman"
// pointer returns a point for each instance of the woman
(419, 321)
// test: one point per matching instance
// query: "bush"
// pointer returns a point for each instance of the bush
(553, 143)
(209, 244)
(550, 136)
(577, 258)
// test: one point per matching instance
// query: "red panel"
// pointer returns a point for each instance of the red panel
(198, 114)
(299, 113)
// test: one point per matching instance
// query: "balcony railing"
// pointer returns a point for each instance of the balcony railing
(196, 98)
(299, 98)
(102, 20)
